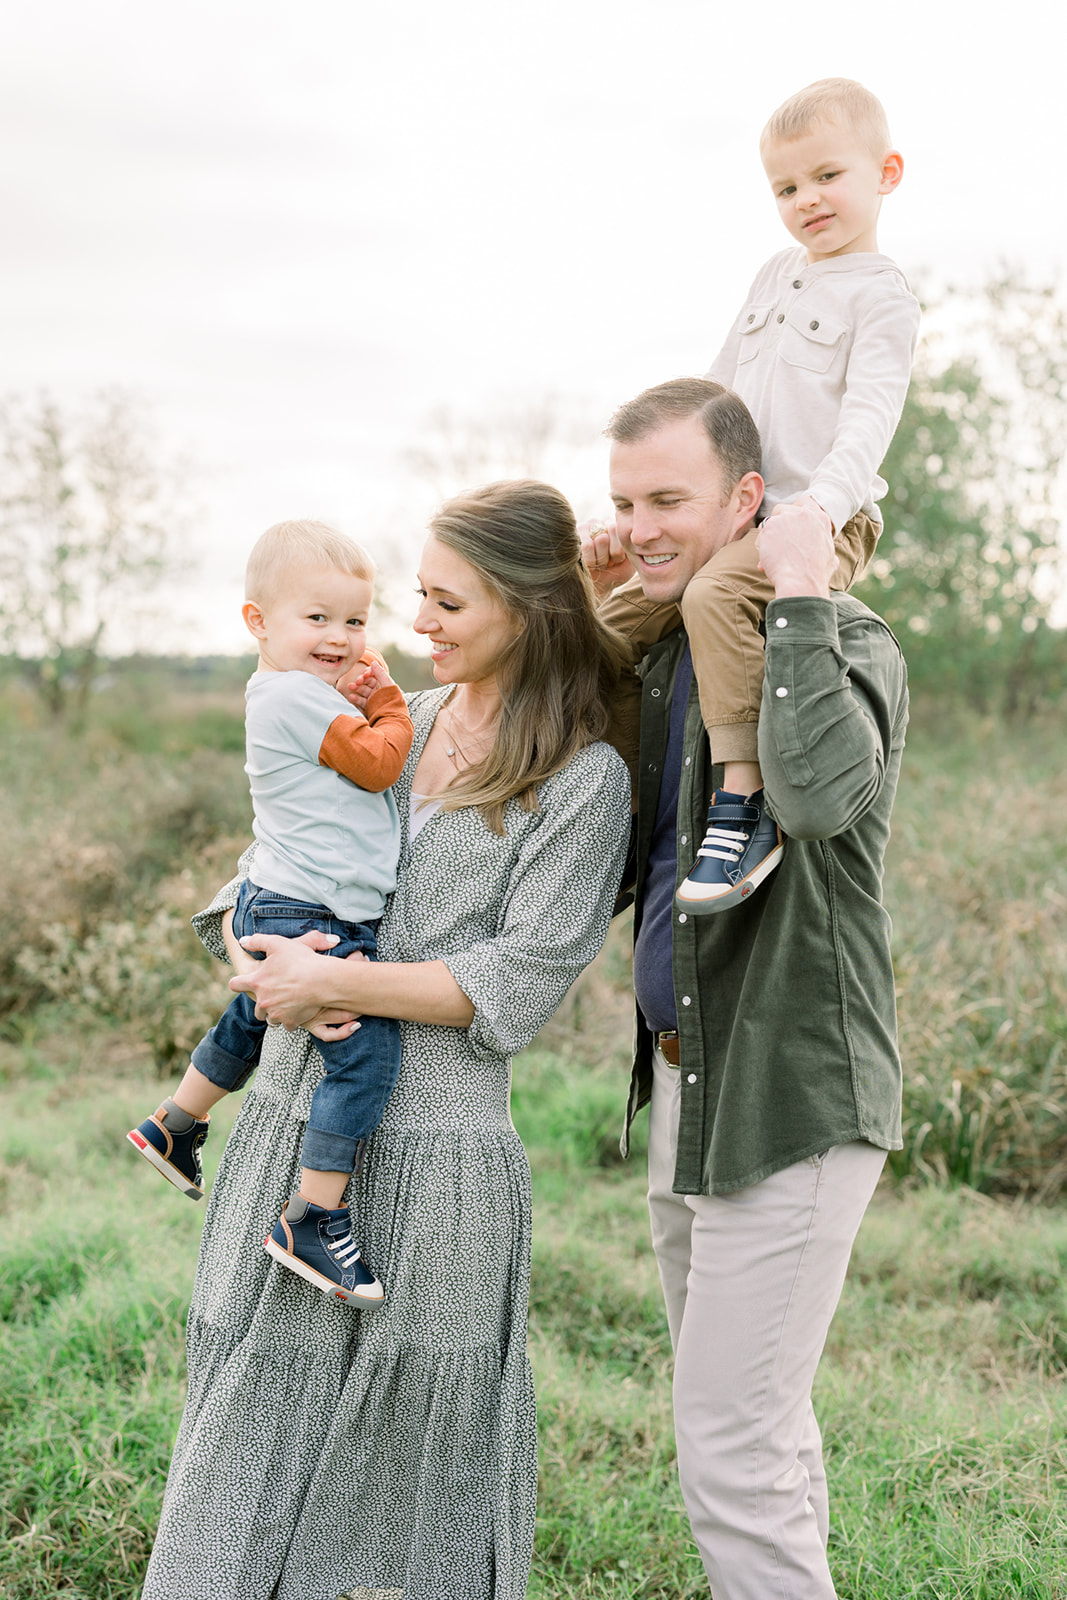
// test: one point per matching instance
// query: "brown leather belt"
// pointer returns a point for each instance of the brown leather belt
(669, 1047)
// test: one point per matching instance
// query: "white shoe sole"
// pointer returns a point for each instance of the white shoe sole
(163, 1166)
(369, 1301)
(708, 905)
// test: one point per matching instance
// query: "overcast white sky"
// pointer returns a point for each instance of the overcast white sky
(296, 231)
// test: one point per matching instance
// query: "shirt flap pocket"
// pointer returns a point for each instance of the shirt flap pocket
(753, 319)
(810, 340)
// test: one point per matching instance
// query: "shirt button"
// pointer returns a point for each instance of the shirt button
(813, 325)
(692, 1078)
(655, 694)
(796, 283)
(752, 318)
(685, 838)
(682, 917)
(689, 761)
(780, 317)
(781, 693)
(779, 622)
(686, 1000)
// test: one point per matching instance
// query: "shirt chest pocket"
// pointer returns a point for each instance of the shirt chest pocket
(812, 341)
(751, 324)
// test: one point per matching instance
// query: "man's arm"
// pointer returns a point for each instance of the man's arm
(834, 698)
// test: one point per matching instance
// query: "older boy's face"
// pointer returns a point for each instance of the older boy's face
(315, 623)
(829, 189)
(671, 512)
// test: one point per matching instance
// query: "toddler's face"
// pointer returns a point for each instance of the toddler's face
(316, 623)
(829, 189)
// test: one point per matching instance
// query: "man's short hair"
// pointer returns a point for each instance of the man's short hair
(304, 544)
(842, 101)
(732, 434)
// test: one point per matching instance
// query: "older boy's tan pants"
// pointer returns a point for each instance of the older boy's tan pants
(722, 609)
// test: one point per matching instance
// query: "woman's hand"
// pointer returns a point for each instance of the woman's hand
(290, 986)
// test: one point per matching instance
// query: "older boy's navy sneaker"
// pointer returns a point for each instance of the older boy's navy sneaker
(742, 846)
(318, 1244)
(172, 1140)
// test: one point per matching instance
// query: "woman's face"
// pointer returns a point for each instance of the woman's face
(467, 626)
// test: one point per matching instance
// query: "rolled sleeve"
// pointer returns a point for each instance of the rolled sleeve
(558, 906)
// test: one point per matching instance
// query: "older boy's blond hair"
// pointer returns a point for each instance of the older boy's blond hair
(842, 101)
(305, 544)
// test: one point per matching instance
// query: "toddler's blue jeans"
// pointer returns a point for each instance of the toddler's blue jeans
(360, 1071)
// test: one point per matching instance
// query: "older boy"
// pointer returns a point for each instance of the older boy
(821, 354)
(327, 844)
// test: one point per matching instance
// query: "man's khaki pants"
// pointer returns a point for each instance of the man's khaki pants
(752, 1280)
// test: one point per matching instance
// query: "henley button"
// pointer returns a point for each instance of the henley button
(692, 1078)
(779, 622)
(813, 325)
(780, 317)
(781, 693)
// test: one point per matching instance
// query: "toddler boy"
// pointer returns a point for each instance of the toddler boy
(328, 840)
(821, 353)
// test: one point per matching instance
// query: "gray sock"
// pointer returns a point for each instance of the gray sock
(296, 1208)
(177, 1119)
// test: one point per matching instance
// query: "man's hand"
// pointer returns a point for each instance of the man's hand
(375, 676)
(796, 549)
(603, 557)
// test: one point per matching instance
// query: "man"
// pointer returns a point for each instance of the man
(765, 1035)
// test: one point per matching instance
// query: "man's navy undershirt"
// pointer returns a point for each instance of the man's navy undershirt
(653, 966)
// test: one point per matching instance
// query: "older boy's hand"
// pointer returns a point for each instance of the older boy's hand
(603, 557)
(796, 549)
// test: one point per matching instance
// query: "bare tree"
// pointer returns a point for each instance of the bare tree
(89, 525)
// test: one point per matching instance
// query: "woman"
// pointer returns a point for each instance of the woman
(327, 1452)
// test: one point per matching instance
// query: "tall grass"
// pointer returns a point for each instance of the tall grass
(942, 1394)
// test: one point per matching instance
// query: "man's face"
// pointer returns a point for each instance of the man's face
(671, 514)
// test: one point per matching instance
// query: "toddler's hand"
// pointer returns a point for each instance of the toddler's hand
(375, 675)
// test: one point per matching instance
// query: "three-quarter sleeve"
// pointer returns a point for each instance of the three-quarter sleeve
(207, 924)
(558, 904)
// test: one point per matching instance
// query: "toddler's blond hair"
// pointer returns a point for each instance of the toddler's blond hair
(301, 544)
(842, 101)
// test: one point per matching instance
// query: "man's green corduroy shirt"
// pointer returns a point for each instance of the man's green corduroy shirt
(786, 1003)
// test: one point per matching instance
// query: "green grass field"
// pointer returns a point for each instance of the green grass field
(942, 1394)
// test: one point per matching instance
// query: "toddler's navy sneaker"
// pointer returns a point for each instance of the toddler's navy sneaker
(742, 846)
(318, 1244)
(171, 1140)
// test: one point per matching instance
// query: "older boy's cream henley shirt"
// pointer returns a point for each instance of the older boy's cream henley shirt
(821, 354)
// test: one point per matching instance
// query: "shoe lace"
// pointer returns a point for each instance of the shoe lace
(731, 843)
(340, 1243)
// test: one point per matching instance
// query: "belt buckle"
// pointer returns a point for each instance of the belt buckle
(669, 1047)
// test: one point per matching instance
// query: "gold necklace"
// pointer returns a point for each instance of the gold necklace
(455, 750)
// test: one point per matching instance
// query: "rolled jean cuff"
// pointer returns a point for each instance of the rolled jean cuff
(219, 1066)
(328, 1152)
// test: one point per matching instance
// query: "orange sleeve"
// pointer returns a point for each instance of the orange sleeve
(371, 752)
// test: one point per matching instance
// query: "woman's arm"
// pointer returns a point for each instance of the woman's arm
(295, 983)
